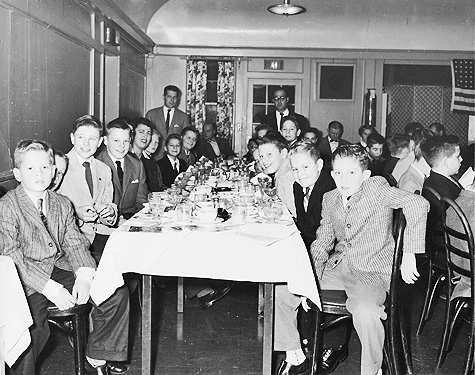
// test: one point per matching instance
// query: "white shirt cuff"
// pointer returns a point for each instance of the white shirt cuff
(51, 290)
(85, 273)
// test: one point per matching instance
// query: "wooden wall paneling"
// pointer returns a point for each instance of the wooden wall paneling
(68, 87)
(132, 93)
(98, 105)
(5, 54)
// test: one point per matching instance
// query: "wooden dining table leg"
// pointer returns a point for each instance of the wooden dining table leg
(147, 325)
(268, 329)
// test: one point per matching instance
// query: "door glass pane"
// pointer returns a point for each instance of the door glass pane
(259, 94)
(258, 113)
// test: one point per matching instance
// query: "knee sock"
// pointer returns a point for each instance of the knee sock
(95, 362)
(295, 357)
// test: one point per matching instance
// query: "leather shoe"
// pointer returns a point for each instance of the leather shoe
(117, 368)
(208, 300)
(286, 368)
(99, 370)
(331, 358)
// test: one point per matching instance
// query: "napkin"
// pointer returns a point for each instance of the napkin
(265, 234)
(467, 178)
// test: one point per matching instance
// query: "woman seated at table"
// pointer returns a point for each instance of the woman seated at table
(273, 153)
(153, 174)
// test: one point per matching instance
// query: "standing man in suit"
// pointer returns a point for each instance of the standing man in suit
(330, 143)
(168, 119)
(211, 146)
(274, 119)
(128, 173)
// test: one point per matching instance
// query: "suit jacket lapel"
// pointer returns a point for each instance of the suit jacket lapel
(115, 177)
(29, 210)
(77, 174)
(129, 172)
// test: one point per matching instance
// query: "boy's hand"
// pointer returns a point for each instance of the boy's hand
(64, 300)
(304, 303)
(105, 210)
(86, 213)
(408, 268)
(81, 291)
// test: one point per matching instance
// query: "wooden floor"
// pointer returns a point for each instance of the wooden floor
(227, 338)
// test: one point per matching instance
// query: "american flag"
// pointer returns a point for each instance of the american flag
(463, 87)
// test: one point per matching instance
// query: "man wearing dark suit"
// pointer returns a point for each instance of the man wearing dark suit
(211, 146)
(168, 119)
(274, 118)
(171, 165)
(330, 143)
(128, 173)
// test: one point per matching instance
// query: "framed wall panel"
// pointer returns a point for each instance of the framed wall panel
(336, 81)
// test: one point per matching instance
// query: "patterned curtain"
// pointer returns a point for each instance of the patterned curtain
(225, 104)
(196, 92)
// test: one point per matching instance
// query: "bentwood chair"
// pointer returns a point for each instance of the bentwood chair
(460, 257)
(334, 303)
(74, 322)
(436, 266)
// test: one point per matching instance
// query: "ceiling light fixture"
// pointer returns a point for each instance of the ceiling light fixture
(286, 9)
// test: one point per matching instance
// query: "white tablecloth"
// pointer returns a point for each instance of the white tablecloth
(216, 255)
(15, 315)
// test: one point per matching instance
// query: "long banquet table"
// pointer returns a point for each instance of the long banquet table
(187, 253)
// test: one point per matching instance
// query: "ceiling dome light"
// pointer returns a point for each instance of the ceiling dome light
(286, 9)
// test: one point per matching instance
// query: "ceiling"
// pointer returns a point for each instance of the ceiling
(341, 24)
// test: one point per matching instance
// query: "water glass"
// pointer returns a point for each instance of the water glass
(155, 203)
(183, 212)
(240, 213)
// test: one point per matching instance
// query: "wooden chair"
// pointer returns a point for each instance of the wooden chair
(390, 179)
(437, 268)
(334, 303)
(460, 262)
(74, 322)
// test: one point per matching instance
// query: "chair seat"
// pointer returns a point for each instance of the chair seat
(334, 301)
(54, 312)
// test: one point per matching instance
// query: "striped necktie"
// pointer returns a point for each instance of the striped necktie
(306, 198)
(39, 206)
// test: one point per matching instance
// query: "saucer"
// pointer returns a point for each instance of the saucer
(215, 221)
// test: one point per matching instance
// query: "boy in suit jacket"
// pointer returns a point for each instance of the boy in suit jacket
(40, 234)
(329, 144)
(374, 147)
(353, 251)
(128, 173)
(168, 119)
(273, 154)
(443, 156)
(171, 165)
(88, 184)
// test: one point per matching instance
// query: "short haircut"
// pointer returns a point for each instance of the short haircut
(276, 139)
(120, 123)
(27, 145)
(279, 89)
(335, 125)
(354, 152)
(293, 119)
(439, 128)
(88, 120)
(189, 129)
(375, 139)
(215, 128)
(172, 136)
(171, 88)
(398, 142)
(305, 147)
(312, 130)
(61, 154)
(434, 149)
(252, 141)
(142, 120)
(363, 128)
(261, 127)
(411, 127)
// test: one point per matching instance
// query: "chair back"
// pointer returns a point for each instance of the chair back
(399, 225)
(390, 179)
(459, 253)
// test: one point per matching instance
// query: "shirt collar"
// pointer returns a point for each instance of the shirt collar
(165, 111)
(330, 140)
(284, 113)
(82, 160)
(418, 171)
(172, 161)
(35, 199)
(115, 160)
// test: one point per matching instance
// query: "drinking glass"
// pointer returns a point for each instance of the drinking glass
(183, 212)
(240, 212)
(155, 203)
